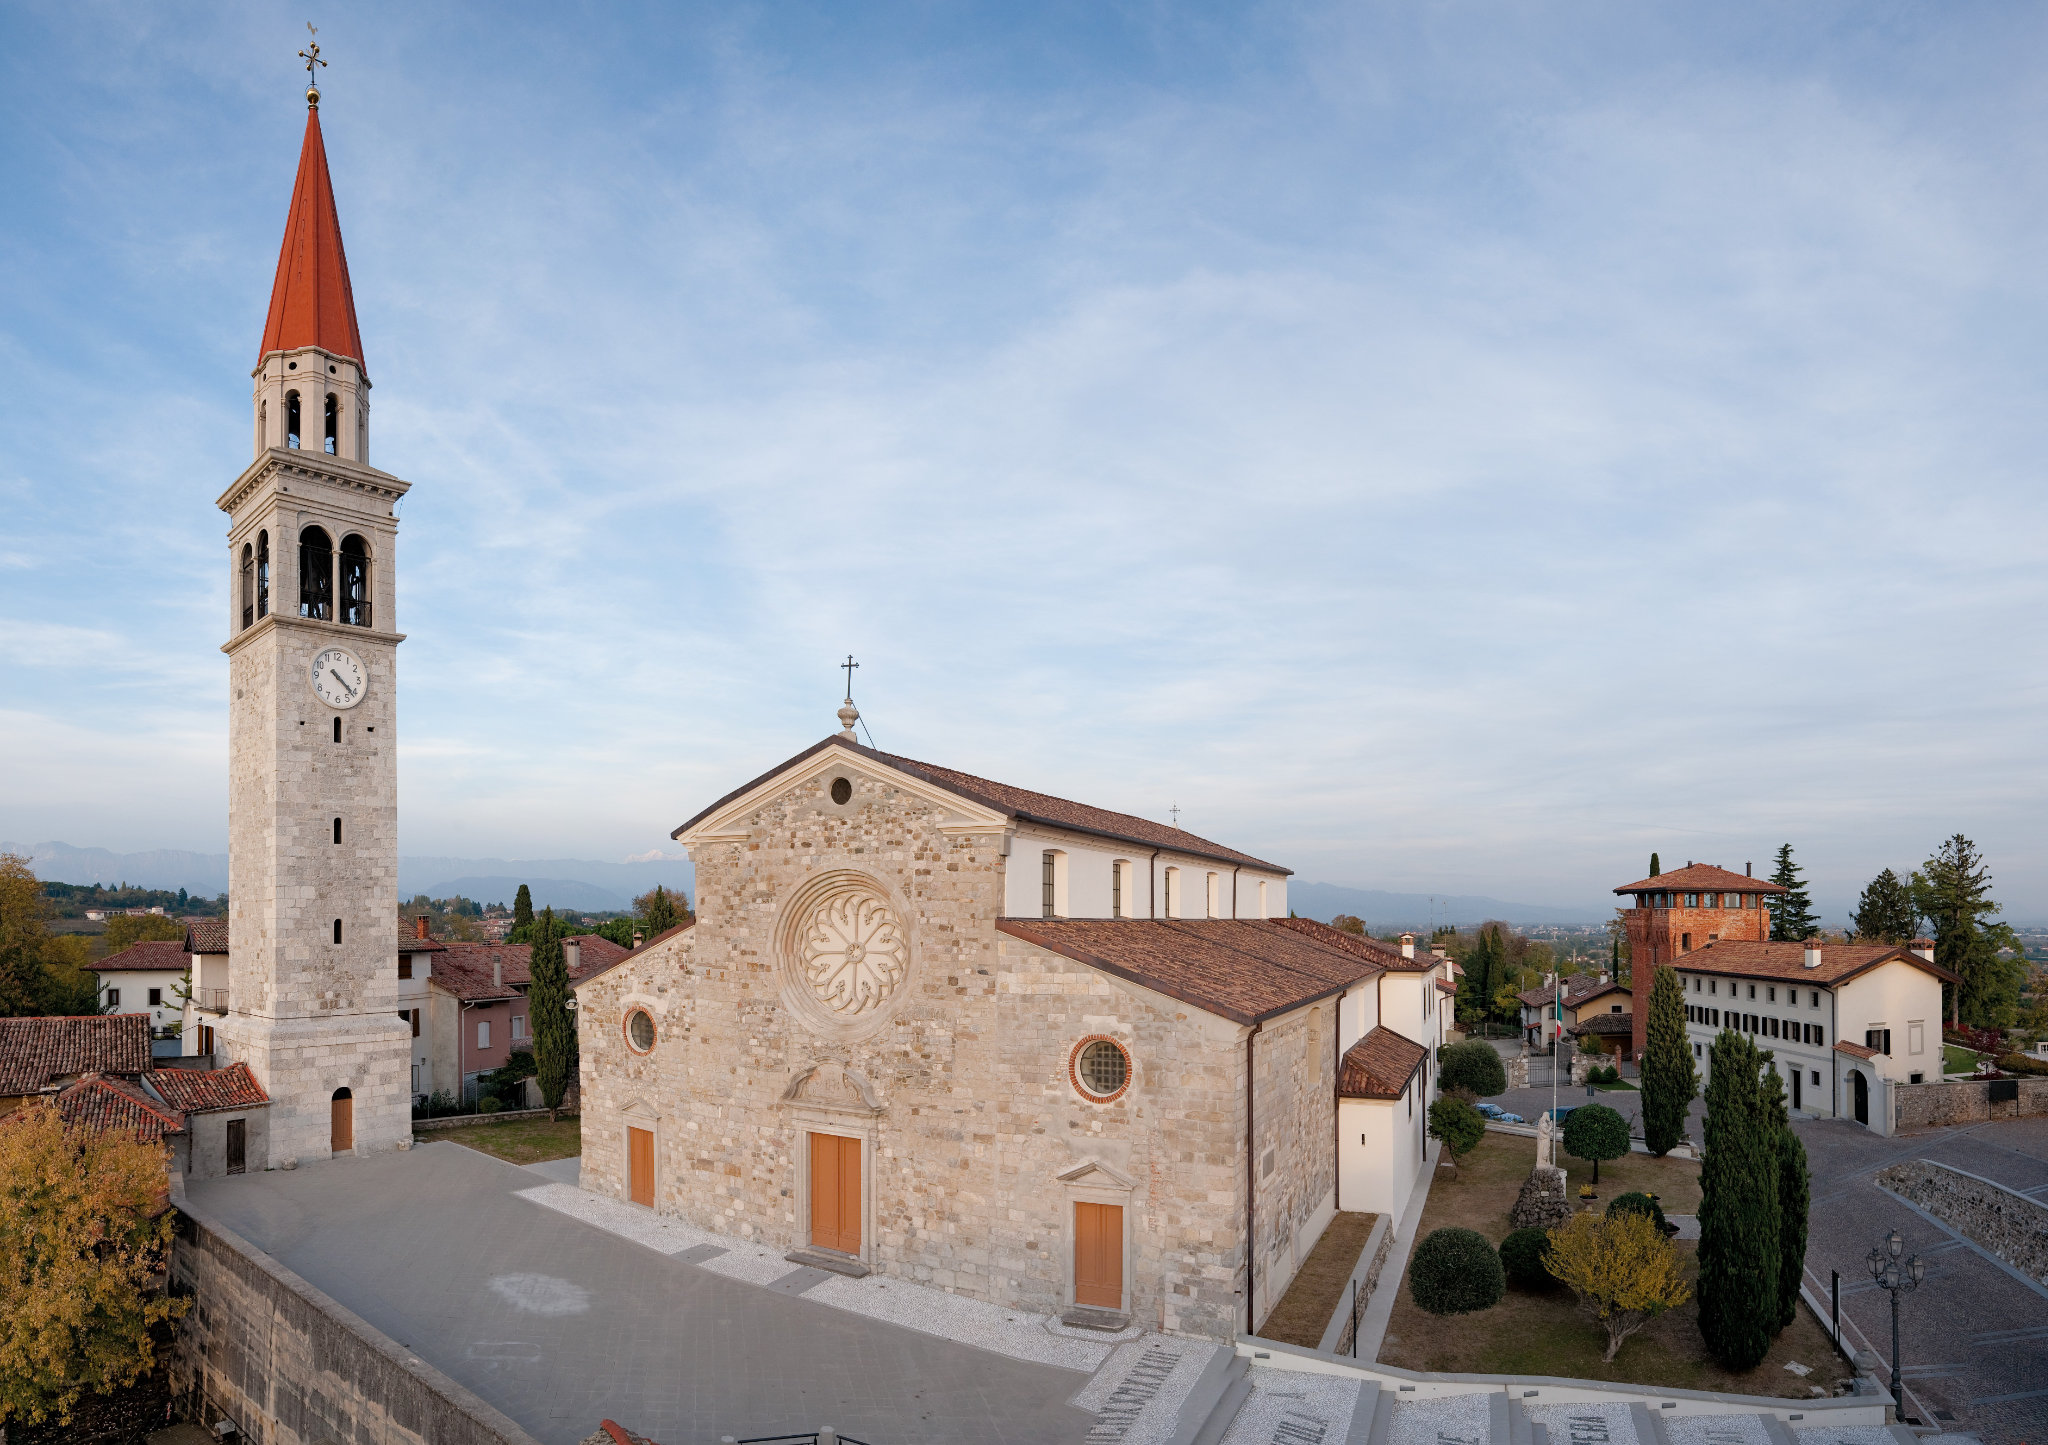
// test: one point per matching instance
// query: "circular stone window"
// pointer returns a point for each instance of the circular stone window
(842, 790)
(640, 1030)
(1101, 1069)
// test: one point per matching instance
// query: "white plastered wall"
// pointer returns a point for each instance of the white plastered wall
(1087, 890)
(1896, 996)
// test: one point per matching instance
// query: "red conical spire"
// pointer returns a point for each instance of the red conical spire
(310, 302)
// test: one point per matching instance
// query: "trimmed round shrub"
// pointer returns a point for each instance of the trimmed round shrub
(1637, 1204)
(1472, 1065)
(1522, 1257)
(488, 1104)
(1594, 1132)
(1458, 1124)
(1454, 1272)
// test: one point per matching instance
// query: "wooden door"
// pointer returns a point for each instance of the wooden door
(640, 1166)
(1099, 1255)
(835, 1193)
(238, 1146)
(341, 1133)
(1797, 1076)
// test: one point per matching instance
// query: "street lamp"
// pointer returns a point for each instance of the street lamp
(1895, 1276)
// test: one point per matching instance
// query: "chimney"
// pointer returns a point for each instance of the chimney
(639, 938)
(1811, 957)
(1749, 870)
(419, 928)
(497, 969)
(572, 954)
(1923, 948)
(1407, 945)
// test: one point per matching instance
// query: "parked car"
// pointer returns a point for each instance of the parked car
(1499, 1115)
(1557, 1114)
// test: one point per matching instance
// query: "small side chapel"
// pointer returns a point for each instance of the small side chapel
(1059, 1058)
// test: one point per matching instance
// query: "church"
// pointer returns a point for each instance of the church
(989, 1040)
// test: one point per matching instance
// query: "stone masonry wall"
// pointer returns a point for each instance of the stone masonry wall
(289, 1366)
(1927, 1106)
(2010, 1225)
(1294, 1145)
(962, 1095)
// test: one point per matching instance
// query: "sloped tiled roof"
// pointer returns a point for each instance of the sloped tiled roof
(1369, 950)
(206, 935)
(1379, 1065)
(100, 1103)
(1021, 803)
(1582, 988)
(159, 955)
(1239, 969)
(1605, 1024)
(587, 972)
(310, 301)
(1444, 985)
(1701, 878)
(1839, 962)
(36, 1052)
(199, 1091)
(1854, 1051)
(464, 970)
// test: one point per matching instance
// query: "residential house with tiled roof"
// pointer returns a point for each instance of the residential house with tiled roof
(1057, 1057)
(147, 978)
(40, 1056)
(1844, 1022)
(1686, 909)
(226, 1114)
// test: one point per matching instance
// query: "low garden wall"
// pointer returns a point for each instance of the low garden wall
(466, 1121)
(1966, 1101)
(2010, 1225)
(289, 1366)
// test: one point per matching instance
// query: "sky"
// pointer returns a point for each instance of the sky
(1455, 447)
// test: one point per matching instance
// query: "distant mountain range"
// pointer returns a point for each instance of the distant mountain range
(1381, 910)
(557, 882)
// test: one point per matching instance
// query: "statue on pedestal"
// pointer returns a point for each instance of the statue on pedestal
(1543, 1203)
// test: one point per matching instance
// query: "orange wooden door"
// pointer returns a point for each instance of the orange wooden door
(341, 1131)
(835, 1193)
(1099, 1255)
(640, 1166)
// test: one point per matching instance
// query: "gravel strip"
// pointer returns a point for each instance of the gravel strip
(1290, 1407)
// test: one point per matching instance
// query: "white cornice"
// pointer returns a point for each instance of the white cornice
(284, 462)
(265, 625)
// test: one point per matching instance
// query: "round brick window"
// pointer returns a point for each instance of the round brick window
(1100, 1069)
(841, 790)
(640, 1030)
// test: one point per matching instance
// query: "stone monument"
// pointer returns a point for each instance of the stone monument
(1543, 1202)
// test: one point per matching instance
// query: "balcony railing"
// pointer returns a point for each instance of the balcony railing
(212, 1000)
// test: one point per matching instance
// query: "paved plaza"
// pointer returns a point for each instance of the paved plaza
(561, 1324)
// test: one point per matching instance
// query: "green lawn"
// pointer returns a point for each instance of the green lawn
(1955, 1059)
(520, 1141)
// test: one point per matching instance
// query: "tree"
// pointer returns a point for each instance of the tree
(1953, 891)
(1595, 1132)
(1885, 912)
(1455, 1271)
(660, 910)
(1473, 1065)
(1457, 1124)
(1655, 866)
(40, 973)
(547, 1006)
(618, 930)
(1622, 1268)
(1349, 923)
(85, 1228)
(126, 930)
(1791, 911)
(1794, 1194)
(1669, 1081)
(1739, 1214)
(522, 908)
(1485, 965)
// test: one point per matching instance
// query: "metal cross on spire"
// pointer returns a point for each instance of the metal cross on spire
(847, 667)
(1175, 810)
(311, 55)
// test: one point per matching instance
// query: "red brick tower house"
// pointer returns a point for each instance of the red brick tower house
(1682, 910)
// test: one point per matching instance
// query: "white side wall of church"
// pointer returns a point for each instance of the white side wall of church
(1088, 888)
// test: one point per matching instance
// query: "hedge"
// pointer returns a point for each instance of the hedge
(1522, 1257)
(1637, 1204)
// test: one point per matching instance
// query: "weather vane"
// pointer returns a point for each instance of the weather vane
(311, 55)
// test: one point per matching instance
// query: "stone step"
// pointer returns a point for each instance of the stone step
(1225, 1414)
(1225, 1371)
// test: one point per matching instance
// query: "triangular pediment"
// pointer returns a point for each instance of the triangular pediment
(639, 1109)
(1094, 1171)
(726, 819)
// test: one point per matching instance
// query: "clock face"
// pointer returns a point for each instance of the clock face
(338, 677)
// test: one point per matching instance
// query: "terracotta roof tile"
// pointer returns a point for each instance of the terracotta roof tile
(199, 1091)
(1379, 1065)
(162, 955)
(36, 1053)
(1240, 969)
(100, 1103)
(1369, 950)
(1701, 878)
(1444, 985)
(464, 970)
(311, 303)
(588, 973)
(1605, 1024)
(1839, 962)
(206, 935)
(1578, 990)
(1854, 1051)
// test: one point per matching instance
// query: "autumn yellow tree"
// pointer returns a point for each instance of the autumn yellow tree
(85, 1229)
(1622, 1268)
(124, 930)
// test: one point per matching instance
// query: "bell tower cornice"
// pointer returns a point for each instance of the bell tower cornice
(286, 465)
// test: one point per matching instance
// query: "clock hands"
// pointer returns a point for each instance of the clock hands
(343, 681)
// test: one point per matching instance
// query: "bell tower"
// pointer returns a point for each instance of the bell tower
(312, 717)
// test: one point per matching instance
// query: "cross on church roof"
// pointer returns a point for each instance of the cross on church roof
(311, 55)
(847, 667)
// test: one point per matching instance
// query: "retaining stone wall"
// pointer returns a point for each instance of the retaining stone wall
(290, 1366)
(1926, 1106)
(2010, 1225)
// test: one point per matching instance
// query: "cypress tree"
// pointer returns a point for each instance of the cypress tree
(658, 912)
(1885, 913)
(1794, 1194)
(1792, 917)
(1740, 1270)
(1655, 866)
(1669, 1080)
(547, 1006)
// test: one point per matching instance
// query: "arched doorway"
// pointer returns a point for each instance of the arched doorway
(342, 1131)
(1859, 1090)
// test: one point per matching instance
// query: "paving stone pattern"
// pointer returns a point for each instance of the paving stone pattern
(1290, 1408)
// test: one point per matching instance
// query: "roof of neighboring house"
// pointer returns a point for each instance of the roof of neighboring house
(409, 941)
(1020, 803)
(206, 935)
(1368, 950)
(152, 955)
(1444, 985)
(1839, 962)
(1854, 1051)
(1379, 1065)
(464, 970)
(1605, 1024)
(1701, 878)
(1243, 969)
(100, 1103)
(37, 1052)
(1578, 990)
(587, 973)
(199, 1091)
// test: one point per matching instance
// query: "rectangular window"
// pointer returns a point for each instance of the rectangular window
(405, 965)
(1046, 876)
(1215, 898)
(483, 1033)
(1692, 900)
(1820, 1037)
(1685, 943)
(1752, 990)
(1262, 901)
(113, 998)
(518, 1027)
(1814, 997)
(414, 1015)
(1878, 1039)
(1773, 995)
(1814, 1074)
(156, 998)
(1116, 889)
